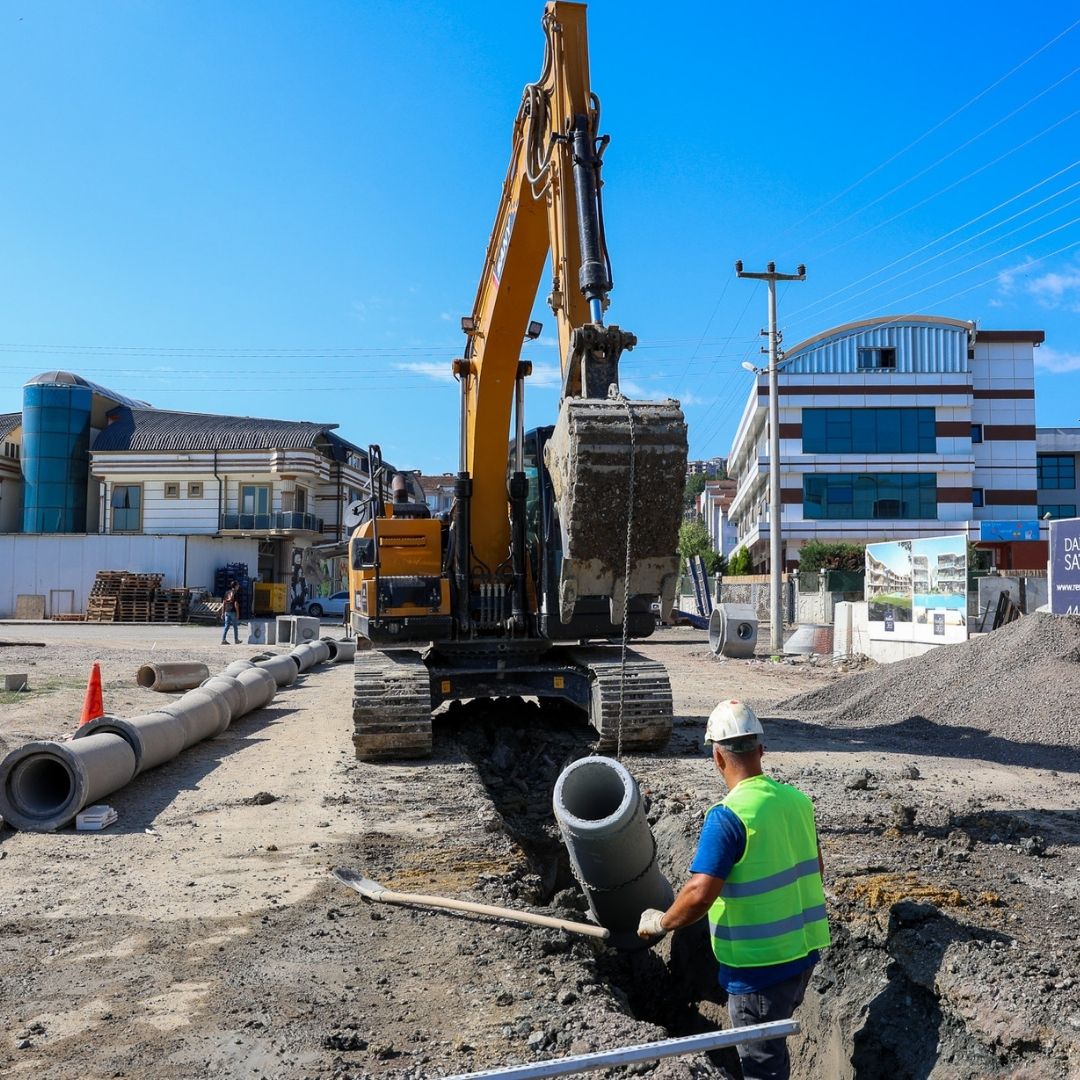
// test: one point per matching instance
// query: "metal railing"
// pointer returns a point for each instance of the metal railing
(287, 522)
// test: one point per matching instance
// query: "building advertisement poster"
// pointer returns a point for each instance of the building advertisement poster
(1065, 567)
(916, 590)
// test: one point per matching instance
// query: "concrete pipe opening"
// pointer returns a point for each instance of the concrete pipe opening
(594, 794)
(168, 677)
(41, 785)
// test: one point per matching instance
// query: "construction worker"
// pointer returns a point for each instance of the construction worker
(757, 873)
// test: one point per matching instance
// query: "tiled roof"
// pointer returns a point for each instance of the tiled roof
(9, 422)
(159, 429)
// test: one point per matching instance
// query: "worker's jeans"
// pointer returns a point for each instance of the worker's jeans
(230, 620)
(767, 1060)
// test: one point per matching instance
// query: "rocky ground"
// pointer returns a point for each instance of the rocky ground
(203, 936)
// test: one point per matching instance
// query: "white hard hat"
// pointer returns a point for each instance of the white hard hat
(732, 720)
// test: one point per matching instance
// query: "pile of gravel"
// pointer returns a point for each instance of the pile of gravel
(1020, 683)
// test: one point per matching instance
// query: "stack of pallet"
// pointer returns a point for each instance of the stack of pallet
(120, 596)
(170, 605)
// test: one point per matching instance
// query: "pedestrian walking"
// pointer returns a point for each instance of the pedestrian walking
(757, 874)
(230, 613)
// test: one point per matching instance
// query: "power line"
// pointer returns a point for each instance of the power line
(945, 157)
(936, 127)
(951, 232)
(954, 184)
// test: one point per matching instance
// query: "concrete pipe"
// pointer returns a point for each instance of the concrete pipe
(259, 687)
(601, 816)
(203, 713)
(309, 654)
(341, 651)
(733, 630)
(43, 785)
(169, 677)
(282, 667)
(230, 689)
(237, 666)
(154, 737)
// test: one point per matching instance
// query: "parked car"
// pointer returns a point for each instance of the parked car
(335, 604)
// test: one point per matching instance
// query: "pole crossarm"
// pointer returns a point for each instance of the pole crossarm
(630, 1055)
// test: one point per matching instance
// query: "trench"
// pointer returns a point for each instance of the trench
(872, 1009)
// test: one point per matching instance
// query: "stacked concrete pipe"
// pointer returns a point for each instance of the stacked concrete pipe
(280, 666)
(601, 816)
(171, 677)
(43, 785)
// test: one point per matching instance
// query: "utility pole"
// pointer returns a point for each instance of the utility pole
(776, 611)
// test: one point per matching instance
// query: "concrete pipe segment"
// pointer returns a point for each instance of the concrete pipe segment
(341, 652)
(228, 686)
(170, 677)
(258, 686)
(601, 816)
(309, 654)
(282, 667)
(154, 737)
(43, 785)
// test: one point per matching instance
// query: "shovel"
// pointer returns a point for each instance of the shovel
(372, 890)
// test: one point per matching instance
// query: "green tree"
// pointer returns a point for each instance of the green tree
(694, 540)
(740, 563)
(695, 485)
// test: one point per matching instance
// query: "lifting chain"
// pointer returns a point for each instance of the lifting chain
(631, 486)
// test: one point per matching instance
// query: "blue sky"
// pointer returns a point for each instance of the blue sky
(281, 209)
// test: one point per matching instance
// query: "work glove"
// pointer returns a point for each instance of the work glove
(649, 926)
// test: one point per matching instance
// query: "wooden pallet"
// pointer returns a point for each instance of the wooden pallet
(69, 616)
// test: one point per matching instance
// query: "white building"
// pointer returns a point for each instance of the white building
(1058, 454)
(714, 504)
(892, 428)
(183, 494)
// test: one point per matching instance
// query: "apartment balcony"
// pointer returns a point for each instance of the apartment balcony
(288, 524)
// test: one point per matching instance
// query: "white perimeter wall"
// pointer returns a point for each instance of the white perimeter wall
(38, 564)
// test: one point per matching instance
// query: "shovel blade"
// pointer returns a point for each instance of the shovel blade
(364, 886)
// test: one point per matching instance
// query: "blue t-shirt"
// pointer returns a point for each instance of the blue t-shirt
(722, 845)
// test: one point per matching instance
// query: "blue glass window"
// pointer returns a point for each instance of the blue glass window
(1058, 510)
(869, 496)
(976, 433)
(1057, 471)
(976, 496)
(869, 431)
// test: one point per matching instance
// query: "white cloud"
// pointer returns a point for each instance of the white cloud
(446, 316)
(1055, 362)
(546, 376)
(1055, 289)
(440, 372)
(694, 399)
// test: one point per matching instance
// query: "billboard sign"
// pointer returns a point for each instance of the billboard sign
(1065, 567)
(916, 590)
(1005, 532)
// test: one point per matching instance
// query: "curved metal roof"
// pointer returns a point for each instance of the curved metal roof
(158, 429)
(880, 320)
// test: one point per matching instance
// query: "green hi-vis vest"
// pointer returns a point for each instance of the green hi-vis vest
(772, 907)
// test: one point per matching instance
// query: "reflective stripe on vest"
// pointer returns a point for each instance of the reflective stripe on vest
(772, 907)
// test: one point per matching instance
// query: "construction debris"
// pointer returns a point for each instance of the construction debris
(1020, 683)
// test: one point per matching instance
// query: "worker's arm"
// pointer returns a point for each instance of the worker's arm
(694, 900)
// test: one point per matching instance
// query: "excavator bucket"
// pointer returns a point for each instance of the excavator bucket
(600, 449)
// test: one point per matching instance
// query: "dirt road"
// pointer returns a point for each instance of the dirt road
(202, 936)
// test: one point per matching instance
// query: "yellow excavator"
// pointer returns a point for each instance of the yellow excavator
(561, 540)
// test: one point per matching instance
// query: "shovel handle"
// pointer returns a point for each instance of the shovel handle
(497, 912)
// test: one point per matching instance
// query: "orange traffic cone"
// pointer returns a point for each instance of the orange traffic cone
(93, 707)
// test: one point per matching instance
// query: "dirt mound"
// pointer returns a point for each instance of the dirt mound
(1019, 683)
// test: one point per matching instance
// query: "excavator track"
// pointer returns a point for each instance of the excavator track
(391, 705)
(647, 704)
